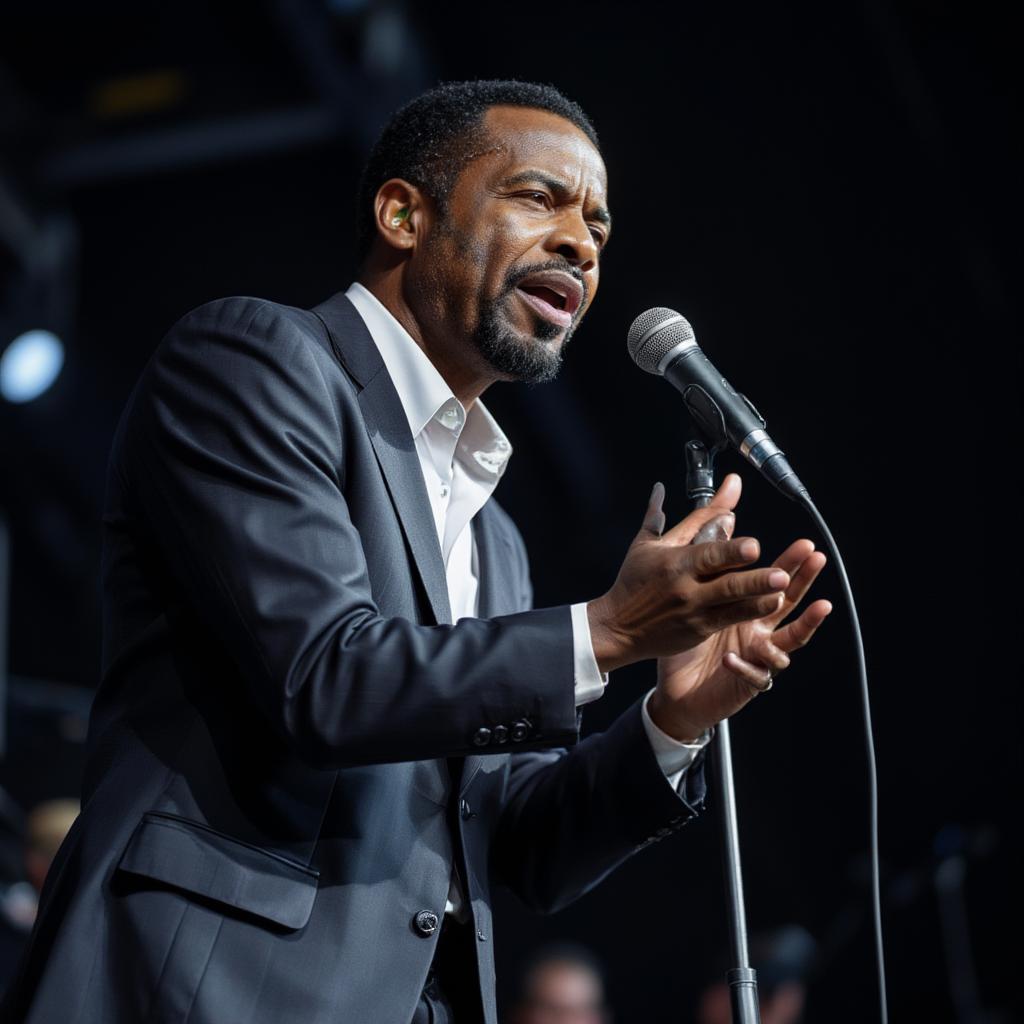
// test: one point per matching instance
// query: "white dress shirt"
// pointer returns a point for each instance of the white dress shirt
(463, 456)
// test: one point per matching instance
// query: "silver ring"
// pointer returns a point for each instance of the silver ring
(761, 689)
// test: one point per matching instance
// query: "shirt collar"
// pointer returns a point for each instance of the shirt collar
(423, 392)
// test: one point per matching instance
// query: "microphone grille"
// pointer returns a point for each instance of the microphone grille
(654, 333)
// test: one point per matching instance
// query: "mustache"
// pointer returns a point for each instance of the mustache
(517, 274)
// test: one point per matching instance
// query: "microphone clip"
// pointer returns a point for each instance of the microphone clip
(700, 472)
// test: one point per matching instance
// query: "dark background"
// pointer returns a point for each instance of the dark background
(826, 191)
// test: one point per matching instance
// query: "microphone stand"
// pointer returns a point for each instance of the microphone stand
(742, 979)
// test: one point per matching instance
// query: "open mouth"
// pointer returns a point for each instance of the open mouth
(553, 294)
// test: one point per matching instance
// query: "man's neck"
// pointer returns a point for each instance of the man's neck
(459, 374)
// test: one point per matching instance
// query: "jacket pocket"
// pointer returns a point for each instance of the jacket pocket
(197, 859)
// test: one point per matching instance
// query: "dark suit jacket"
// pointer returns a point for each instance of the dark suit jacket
(285, 709)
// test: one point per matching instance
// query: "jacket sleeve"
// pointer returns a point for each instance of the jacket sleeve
(229, 452)
(570, 817)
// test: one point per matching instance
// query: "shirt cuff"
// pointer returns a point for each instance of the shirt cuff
(590, 681)
(673, 757)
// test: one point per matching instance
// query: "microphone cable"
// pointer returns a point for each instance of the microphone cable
(869, 741)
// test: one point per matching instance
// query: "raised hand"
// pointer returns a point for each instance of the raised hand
(700, 686)
(671, 595)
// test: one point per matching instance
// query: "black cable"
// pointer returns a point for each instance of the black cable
(869, 738)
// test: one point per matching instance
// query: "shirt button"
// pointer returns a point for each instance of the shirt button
(520, 730)
(465, 810)
(425, 922)
(445, 489)
(451, 416)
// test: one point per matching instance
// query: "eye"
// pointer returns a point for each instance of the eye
(539, 198)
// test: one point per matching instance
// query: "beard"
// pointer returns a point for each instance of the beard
(532, 359)
(529, 359)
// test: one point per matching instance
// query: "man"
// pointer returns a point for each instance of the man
(560, 984)
(784, 959)
(303, 778)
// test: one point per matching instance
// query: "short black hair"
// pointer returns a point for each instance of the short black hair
(428, 141)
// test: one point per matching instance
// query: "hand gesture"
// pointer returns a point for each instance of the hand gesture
(700, 686)
(671, 595)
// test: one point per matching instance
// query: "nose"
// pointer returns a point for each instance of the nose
(571, 239)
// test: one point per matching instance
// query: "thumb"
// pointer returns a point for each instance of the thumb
(719, 528)
(722, 504)
(654, 517)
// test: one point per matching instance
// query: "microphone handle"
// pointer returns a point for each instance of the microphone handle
(728, 417)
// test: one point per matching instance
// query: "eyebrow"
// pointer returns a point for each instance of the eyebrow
(557, 186)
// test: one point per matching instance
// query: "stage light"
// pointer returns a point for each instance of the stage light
(29, 365)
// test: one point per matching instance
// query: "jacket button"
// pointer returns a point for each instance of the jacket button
(501, 734)
(465, 810)
(425, 922)
(482, 736)
(520, 730)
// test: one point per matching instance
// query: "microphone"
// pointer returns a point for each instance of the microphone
(662, 342)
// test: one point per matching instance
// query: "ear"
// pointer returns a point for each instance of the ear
(399, 211)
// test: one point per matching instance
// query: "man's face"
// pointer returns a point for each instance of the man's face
(511, 268)
(563, 993)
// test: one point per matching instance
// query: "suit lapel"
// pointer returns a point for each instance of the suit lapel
(392, 443)
(396, 453)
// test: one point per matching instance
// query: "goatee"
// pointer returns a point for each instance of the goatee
(530, 360)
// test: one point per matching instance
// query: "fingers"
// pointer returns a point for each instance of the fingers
(804, 577)
(804, 565)
(720, 556)
(654, 517)
(721, 616)
(794, 556)
(725, 500)
(738, 586)
(757, 678)
(727, 497)
(797, 633)
(760, 663)
(766, 654)
(719, 528)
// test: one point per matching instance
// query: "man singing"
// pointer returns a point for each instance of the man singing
(329, 719)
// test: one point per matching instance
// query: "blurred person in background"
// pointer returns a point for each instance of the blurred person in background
(783, 958)
(47, 825)
(560, 984)
(42, 832)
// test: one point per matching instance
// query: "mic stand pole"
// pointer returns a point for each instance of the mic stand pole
(742, 978)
